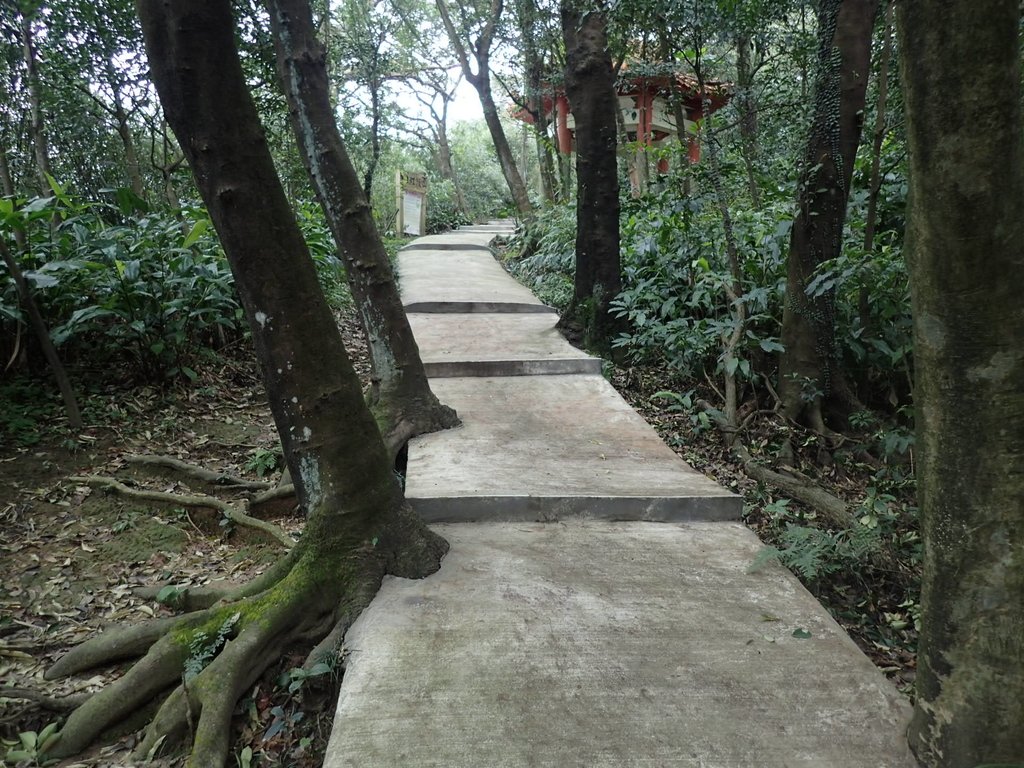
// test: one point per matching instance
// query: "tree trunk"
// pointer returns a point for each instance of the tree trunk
(533, 69)
(401, 396)
(875, 185)
(590, 86)
(43, 336)
(734, 286)
(810, 371)
(444, 161)
(964, 236)
(358, 526)
(746, 104)
(513, 178)
(481, 81)
(37, 127)
(124, 131)
(371, 167)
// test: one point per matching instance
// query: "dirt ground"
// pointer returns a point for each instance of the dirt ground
(73, 556)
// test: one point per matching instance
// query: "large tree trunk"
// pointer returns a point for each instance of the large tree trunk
(358, 525)
(810, 371)
(402, 398)
(965, 237)
(590, 86)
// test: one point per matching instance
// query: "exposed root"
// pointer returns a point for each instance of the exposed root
(114, 644)
(197, 598)
(833, 510)
(231, 511)
(283, 493)
(401, 421)
(54, 704)
(309, 598)
(199, 473)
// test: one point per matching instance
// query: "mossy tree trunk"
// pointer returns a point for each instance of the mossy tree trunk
(965, 251)
(590, 86)
(358, 525)
(810, 374)
(401, 396)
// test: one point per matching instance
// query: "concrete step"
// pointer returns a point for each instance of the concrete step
(452, 241)
(608, 645)
(460, 281)
(551, 447)
(496, 344)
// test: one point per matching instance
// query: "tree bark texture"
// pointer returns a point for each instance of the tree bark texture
(810, 369)
(590, 86)
(965, 251)
(331, 442)
(402, 397)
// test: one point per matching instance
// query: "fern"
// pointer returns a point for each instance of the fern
(203, 648)
(812, 553)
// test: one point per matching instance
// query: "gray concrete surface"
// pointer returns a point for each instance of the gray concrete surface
(608, 645)
(450, 240)
(502, 344)
(547, 447)
(460, 281)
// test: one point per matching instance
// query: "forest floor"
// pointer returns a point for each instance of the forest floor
(73, 556)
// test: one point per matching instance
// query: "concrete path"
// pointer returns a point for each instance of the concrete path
(598, 608)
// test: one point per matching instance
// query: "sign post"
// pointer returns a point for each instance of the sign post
(412, 202)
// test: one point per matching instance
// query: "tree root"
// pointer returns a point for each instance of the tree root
(54, 704)
(231, 511)
(199, 473)
(301, 607)
(401, 421)
(832, 510)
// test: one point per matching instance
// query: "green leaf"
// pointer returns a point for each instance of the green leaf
(197, 231)
(771, 346)
(58, 190)
(801, 634)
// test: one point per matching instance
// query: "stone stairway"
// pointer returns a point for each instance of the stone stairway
(597, 607)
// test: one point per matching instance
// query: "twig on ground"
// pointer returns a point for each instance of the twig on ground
(54, 704)
(230, 511)
(199, 473)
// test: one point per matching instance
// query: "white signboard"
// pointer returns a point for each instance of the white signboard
(412, 208)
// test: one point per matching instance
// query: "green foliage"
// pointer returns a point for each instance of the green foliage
(30, 747)
(263, 461)
(814, 553)
(202, 648)
(544, 255)
(675, 274)
(294, 678)
(443, 211)
(330, 269)
(127, 285)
